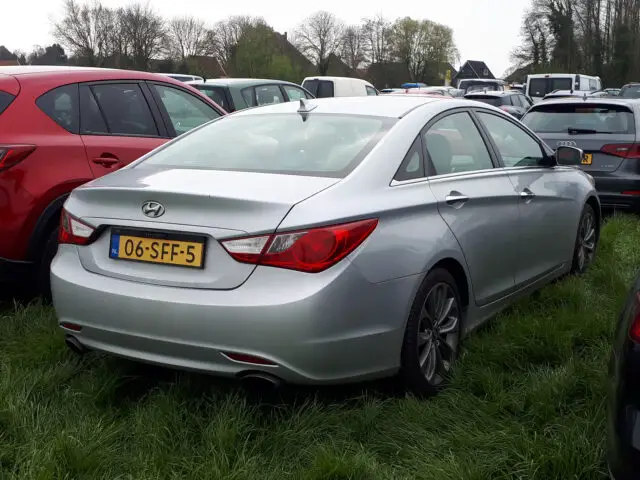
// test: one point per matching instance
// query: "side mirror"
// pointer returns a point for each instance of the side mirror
(570, 156)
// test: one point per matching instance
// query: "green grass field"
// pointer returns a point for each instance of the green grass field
(526, 402)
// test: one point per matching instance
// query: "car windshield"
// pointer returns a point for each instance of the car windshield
(323, 145)
(597, 118)
(630, 91)
(539, 87)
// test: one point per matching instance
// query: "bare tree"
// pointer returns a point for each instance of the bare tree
(144, 31)
(376, 36)
(318, 37)
(84, 30)
(226, 34)
(351, 50)
(187, 36)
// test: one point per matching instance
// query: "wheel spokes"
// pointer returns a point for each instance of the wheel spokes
(439, 323)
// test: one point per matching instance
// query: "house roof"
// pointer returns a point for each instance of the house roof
(476, 68)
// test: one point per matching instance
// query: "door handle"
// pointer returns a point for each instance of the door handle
(527, 195)
(456, 199)
(106, 161)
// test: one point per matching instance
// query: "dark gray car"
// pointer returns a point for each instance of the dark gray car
(513, 102)
(606, 129)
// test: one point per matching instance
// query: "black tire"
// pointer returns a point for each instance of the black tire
(586, 241)
(43, 279)
(416, 363)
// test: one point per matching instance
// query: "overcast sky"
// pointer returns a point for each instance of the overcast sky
(482, 30)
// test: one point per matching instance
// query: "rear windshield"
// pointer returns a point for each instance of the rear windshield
(630, 91)
(5, 100)
(216, 94)
(319, 88)
(539, 87)
(472, 86)
(323, 145)
(495, 101)
(601, 118)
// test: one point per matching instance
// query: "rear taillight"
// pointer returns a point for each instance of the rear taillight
(312, 250)
(11, 155)
(623, 150)
(634, 331)
(74, 231)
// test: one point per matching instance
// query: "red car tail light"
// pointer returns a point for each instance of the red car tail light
(634, 331)
(74, 231)
(11, 155)
(312, 250)
(623, 150)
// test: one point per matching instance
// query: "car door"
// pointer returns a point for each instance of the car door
(547, 227)
(181, 110)
(118, 124)
(477, 201)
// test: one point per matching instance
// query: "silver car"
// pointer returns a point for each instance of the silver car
(329, 241)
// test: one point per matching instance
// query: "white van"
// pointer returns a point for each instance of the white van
(322, 87)
(540, 84)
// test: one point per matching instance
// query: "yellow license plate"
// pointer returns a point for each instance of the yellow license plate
(166, 249)
(587, 159)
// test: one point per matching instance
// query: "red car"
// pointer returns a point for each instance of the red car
(61, 127)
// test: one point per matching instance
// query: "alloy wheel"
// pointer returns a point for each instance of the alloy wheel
(438, 332)
(586, 241)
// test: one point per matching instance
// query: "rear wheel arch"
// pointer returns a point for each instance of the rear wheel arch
(46, 223)
(459, 275)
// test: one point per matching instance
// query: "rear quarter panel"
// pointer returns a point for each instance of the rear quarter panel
(58, 165)
(410, 238)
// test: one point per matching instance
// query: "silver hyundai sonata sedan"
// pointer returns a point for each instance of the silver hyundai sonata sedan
(324, 241)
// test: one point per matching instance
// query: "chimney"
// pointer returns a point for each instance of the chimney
(285, 35)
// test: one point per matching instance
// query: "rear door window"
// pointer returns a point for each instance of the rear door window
(593, 118)
(268, 95)
(216, 94)
(294, 93)
(311, 86)
(62, 106)
(325, 89)
(92, 121)
(539, 87)
(371, 91)
(125, 109)
(185, 111)
(5, 100)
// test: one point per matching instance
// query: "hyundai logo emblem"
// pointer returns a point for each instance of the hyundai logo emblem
(152, 209)
(567, 143)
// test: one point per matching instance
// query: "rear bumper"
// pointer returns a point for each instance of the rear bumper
(14, 272)
(610, 190)
(331, 327)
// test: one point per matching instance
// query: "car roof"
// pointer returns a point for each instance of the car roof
(391, 106)
(73, 73)
(589, 100)
(240, 82)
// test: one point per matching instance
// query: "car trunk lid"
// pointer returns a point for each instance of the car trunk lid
(197, 206)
